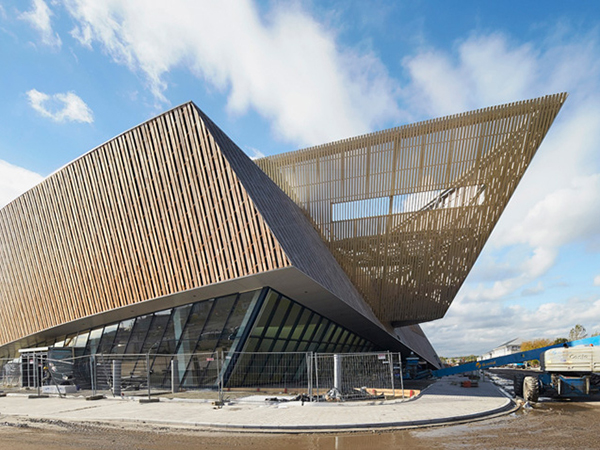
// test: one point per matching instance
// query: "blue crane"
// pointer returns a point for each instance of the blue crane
(566, 369)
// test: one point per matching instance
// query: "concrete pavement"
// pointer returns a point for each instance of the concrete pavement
(443, 402)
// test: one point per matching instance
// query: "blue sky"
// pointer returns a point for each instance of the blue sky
(277, 76)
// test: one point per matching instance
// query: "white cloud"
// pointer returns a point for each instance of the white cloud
(465, 330)
(556, 204)
(62, 107)
(256, 154)
(535, 290)
(39, 17)
(558, 201)
(564, 215)
(597, 280)
(486, 71)
(14, 181)
(286, 66)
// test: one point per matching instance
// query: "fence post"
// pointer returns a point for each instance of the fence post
(148, 372)
(390, 358)
(174, 374)
(38, 382)
(220, 375)
(337, 372)
(116, 377)
(316, 356)
(93, 374)
(401, 374)
(309, 362)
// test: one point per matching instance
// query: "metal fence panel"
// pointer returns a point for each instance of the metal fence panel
(316, 376)
(66, 375)
(354, 376)
(278, 372)
(10, 373)
(121, 375)
(198, 370)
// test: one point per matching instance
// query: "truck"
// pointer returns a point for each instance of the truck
(567, 370)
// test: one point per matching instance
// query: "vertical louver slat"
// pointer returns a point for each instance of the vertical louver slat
(446, 182)
(155, 211)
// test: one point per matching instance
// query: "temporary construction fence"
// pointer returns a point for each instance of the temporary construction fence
(276, 373)
(313, 376)
(356, 376)
(152, 374)
(10, 373)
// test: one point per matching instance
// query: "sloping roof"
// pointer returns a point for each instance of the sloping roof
(292, 229)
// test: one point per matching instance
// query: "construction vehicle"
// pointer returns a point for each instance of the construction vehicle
(567, 370)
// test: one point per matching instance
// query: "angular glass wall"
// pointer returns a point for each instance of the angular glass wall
(239, 327)
(283, 327)
(190, 332)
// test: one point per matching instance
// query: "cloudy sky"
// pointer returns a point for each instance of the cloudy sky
(277, 76)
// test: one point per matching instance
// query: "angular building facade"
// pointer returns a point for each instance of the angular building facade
(169, 239)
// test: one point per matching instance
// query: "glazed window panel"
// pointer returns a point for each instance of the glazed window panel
(178, 322)
(286, 329)
(139, 334)
(330, 331)
(280, 312)
(195, 325)
(157, 331)
(279, 346)
(265, 345)
(94, 341)
(81, 340)
(311, 329)
(69, 340)
(232, 328)
(267, 310)
(300, 330)
(219, 315)
(108, 337)
(122, 337)
(324, 325)
(214, 329)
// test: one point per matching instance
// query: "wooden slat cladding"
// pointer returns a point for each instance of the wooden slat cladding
(407, 211)
(155, 211)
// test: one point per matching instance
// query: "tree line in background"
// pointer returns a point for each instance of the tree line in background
(576, 333)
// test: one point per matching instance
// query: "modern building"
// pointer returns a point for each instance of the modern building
(169, 239)
(508, 348)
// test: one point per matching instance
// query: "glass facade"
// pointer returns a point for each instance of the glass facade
(285, 326)
(238, 325)
(281, 329)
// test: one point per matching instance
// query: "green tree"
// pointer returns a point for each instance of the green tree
(577, 332)
(532, 345)
(560, 341)
(535, 343)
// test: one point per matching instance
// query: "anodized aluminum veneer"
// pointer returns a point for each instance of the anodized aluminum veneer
(407, 211)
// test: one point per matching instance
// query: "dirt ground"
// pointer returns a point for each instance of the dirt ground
(549, 425)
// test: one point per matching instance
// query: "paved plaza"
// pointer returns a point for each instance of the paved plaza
(444, 402)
